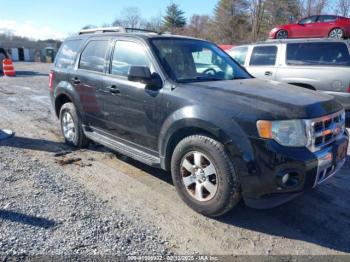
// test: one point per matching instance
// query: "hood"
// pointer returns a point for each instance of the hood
(266, 99)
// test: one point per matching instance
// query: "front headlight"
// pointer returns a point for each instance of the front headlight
(292, 133)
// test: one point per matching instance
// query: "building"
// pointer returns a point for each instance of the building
(30, 51)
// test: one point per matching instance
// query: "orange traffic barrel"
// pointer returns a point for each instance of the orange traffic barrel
(8, 68)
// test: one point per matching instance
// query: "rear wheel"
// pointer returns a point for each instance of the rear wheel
(204, 175)
(71, 126)
(282, 34)
(337, 33)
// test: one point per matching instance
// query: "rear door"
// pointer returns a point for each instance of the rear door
(263, 61)
(87, 80)
(325, 23)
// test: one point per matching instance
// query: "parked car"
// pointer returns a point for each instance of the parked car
(314, 26)
(183, 105)
(317, 64)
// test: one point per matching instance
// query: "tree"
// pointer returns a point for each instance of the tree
(130, 17)
(174, 18)
(343, 7)
(154, 23)
(231, 21)
(313, 7)
(199, 26)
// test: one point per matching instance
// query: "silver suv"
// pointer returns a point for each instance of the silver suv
(318, 64)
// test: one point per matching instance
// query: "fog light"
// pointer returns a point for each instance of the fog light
(288, 179)
(285, 178)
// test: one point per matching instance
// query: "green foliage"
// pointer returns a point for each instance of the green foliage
(174, 17)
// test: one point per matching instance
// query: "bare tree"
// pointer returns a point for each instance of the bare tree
(313, 7)
(130, 17)
(343, 7)
(257, 10)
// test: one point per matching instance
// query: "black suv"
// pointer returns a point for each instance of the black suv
(184, 105)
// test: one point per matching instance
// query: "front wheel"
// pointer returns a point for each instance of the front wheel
(71, 126)
(204, 175)
(336, 33)
(282, 34)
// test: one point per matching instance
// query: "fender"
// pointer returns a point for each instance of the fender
(219, 124)
(65, 88)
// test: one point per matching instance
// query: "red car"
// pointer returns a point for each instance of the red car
(314, 26)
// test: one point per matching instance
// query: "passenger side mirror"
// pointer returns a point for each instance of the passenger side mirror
(140, 74)
(143, 74)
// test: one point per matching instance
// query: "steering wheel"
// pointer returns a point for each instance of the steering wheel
(206, 71)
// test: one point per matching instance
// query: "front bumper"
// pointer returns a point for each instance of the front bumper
(307, 169)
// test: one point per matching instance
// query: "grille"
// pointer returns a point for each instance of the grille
(326, 130)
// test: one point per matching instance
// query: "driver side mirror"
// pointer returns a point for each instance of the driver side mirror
(143, 74)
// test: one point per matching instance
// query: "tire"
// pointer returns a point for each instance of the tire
(225, 181)
(282, 34)
(70, 120)
(336, 33)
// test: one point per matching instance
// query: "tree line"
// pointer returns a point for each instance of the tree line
(232, 21)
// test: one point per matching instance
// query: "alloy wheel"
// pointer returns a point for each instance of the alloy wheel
(282, 34)
(68, 127)
(199, 176)
(336, 33)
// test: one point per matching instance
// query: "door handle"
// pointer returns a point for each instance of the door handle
(76, 80)
(268, 73)
(113, 89)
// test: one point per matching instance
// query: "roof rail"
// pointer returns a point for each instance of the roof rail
(102, 30)
(117, 29)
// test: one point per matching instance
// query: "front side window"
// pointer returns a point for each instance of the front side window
(239, 54)
(263, 56)
(323, 53)
(67, 54)
(308, 20)
(187, 60)
(127, 54)
(94, 56)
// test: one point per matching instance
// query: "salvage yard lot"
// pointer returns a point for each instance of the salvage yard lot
(94, 201)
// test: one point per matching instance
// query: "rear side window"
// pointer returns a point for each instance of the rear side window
(127, 54)
(263, 56)
(326, 18)
(67, 54)
(323, 53)
(94, 56)
(239, 54)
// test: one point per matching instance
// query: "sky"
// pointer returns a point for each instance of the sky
(40, 19)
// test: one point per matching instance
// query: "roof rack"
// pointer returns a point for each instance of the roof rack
(117, 29)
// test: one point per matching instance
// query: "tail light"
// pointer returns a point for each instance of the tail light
(349, 89)
(51, 79)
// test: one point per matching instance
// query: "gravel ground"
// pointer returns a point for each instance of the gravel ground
(43, 211)
(107, 203)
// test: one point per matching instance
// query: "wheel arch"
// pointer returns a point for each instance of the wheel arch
(60, 100)
(216, 125)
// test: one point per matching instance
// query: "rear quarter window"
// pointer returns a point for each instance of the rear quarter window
(323, 53)
(67, 54)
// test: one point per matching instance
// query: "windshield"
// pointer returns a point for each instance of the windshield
(187, 60)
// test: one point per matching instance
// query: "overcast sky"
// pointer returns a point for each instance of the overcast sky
(57, 19)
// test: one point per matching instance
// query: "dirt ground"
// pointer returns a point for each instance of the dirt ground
(316, 223)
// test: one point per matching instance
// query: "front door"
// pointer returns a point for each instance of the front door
(262, 63)
(132, 112)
